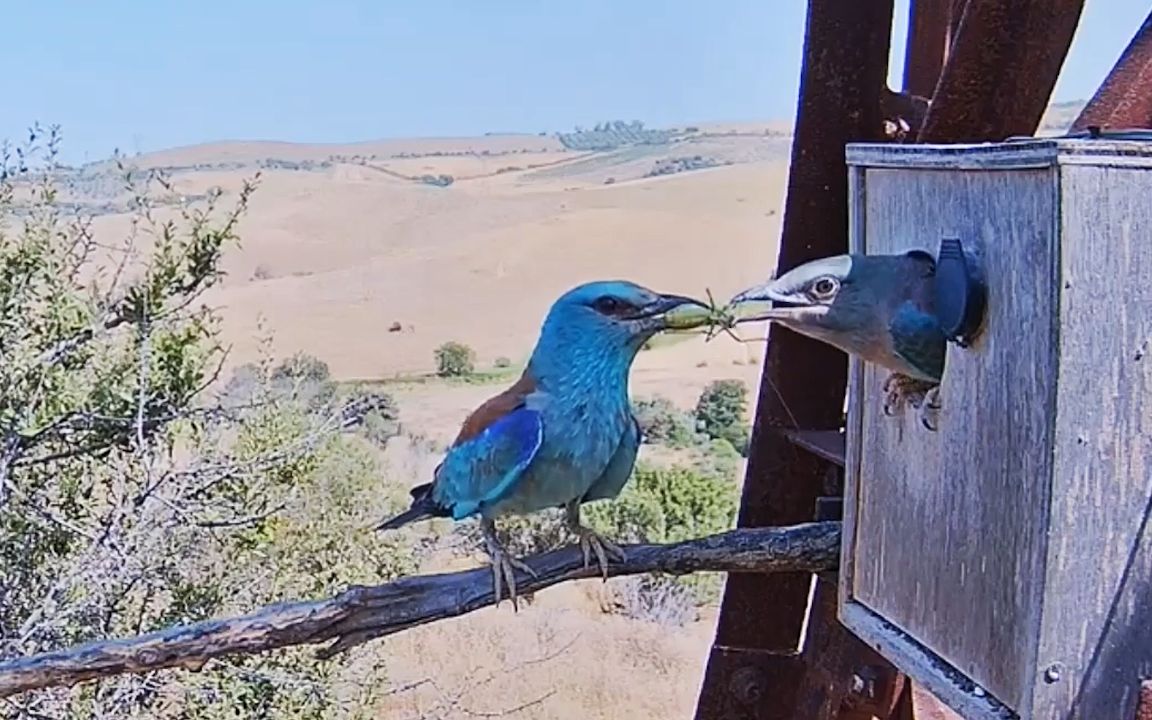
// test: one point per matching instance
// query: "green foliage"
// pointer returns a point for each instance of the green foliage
(305, 377)
(455, 359)
(667, 505)
(502, 363)
(662, 422)
(719, 459)
(130, 497)
(720, 412)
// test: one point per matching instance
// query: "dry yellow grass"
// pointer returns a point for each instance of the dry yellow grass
(560, 656)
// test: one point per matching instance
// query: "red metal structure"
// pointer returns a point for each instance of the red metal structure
(976, 70)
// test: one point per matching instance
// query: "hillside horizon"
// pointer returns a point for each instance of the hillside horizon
(1056, 119)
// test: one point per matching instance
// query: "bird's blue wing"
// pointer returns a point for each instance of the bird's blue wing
(484, 469)
(918, 340)
(615, 476)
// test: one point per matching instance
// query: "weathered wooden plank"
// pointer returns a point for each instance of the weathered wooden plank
(1096, 633)
(969, 586)
(857, 243)
(1016, 155)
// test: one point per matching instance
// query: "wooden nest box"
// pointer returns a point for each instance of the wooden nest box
(1005, 560)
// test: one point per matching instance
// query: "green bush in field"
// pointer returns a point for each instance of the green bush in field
(663, 423)
(455, 359)
(720, 412)
(666, 504)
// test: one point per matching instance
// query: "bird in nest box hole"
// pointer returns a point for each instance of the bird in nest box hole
(563, 434)
(879, 308)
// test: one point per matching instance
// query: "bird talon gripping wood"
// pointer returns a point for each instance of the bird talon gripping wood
(591, 541)
(504, 566)
(880, 308)
(564, 433)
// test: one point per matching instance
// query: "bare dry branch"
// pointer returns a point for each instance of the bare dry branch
(362, 613)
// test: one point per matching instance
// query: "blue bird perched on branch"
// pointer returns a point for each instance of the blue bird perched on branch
(564, 433)
(880, 308)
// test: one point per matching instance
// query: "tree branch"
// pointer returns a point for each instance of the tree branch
(362, 613)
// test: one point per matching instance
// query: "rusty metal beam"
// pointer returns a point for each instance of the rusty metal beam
(754, 670)
(1124, 100)
(926, 45)
(845, 63)
(1001, 70)
(846, 679)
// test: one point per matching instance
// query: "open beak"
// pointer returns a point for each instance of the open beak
(674, 312)
(765, 302)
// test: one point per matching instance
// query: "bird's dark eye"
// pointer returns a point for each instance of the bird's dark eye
(607, 305)
(825, 287)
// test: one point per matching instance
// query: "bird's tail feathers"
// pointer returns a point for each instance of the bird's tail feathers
(423, 508)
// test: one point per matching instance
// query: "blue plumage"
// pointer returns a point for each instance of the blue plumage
(484, 470)
(564, 433)
(918, 339)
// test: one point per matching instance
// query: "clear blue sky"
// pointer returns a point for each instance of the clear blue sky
(148, 74)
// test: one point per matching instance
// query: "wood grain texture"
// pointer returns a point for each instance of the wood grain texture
(854, 411)
(1015, 155)
(360, 614)
(970, 584)
(1097, 616)
(1014, 548)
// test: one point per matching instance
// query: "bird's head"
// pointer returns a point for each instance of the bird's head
(618, 316)
(843, 299)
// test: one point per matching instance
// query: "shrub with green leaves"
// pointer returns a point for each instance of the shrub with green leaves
(663, 423)
(454, 359)
(720, 412)
(306, 377)
(133, 496)
(667, 504)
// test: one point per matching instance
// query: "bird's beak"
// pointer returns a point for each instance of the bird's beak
(766, 302)
(674, 312)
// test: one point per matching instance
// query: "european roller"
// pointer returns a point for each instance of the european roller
(563, 434)
(880, 308)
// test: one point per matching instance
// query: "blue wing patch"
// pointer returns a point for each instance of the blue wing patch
(918, 340)
(485, 469)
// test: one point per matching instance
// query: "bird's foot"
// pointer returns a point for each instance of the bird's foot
(504, 566)
(591, 542)
(930, 409)
(900, 390)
